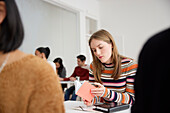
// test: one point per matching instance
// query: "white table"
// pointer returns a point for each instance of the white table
(69, 83)
(73, 107)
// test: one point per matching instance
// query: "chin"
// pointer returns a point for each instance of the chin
(102, 61)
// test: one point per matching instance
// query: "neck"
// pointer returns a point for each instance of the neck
(2, 57)
(108, 64)
(83, 65)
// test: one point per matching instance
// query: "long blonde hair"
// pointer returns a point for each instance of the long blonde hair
(116, 58)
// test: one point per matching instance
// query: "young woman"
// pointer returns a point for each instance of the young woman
(27, 83)
(113, 72)
(44, 52)
(60, 69)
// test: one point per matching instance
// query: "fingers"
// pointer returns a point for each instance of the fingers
(72, 78)
(98, 84)
(87, 103)
(97, 91)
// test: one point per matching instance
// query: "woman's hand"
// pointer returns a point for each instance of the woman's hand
(72, 78)
(99, 90)
(87, 103)
(61, 79)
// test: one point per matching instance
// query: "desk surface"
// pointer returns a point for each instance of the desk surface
(69, 82)
(66, 82)
(73, 107)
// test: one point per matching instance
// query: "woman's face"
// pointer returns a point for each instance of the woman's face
(2, 11)
(102, 50)
(57, 65)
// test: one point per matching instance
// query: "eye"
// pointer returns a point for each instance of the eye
(100, 47)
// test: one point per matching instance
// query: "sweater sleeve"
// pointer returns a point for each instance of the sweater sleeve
(126, 97)
(96, 99)
(73, 75)
(47, 95)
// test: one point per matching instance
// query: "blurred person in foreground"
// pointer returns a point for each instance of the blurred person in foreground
(151, 81)
(27, 83)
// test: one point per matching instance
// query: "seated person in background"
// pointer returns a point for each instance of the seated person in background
(151, 81)
(82, 71)
(60, 70)
(44, 52)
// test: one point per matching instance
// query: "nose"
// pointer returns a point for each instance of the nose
(98, 52)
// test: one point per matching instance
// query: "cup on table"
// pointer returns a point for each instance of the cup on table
(78, 78)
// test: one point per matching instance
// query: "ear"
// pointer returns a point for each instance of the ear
(43, 56)
(2, 11)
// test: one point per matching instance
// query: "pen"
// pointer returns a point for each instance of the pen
(82, 108)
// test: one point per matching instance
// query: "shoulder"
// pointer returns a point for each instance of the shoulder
(77, 67)
(86, 66)
(162, 36)
(91, 66)
(158, 43)
(64, 69)
(35, 61)
(128, 62)
(37, 65)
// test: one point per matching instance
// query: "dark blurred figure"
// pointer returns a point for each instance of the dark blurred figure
(151, 81)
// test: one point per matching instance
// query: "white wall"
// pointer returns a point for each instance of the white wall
(63, 26)
(134, 21)
(48, 25)
(90, 7)
(85, 8)
(58, 24)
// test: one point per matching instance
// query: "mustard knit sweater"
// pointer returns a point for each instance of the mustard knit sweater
(30, 85)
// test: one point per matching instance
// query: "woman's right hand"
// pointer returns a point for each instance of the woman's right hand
(87, 103)
(61, 79)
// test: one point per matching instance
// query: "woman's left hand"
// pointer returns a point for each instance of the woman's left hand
(99, 90)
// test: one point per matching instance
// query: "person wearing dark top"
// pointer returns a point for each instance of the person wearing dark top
(151, 80)
(82, 71)
(60, 69)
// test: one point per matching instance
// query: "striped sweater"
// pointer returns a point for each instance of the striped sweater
(121, 90)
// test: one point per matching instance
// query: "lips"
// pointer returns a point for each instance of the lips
(100, 57)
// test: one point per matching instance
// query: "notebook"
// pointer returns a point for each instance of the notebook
(111, 107)
(84, 90)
